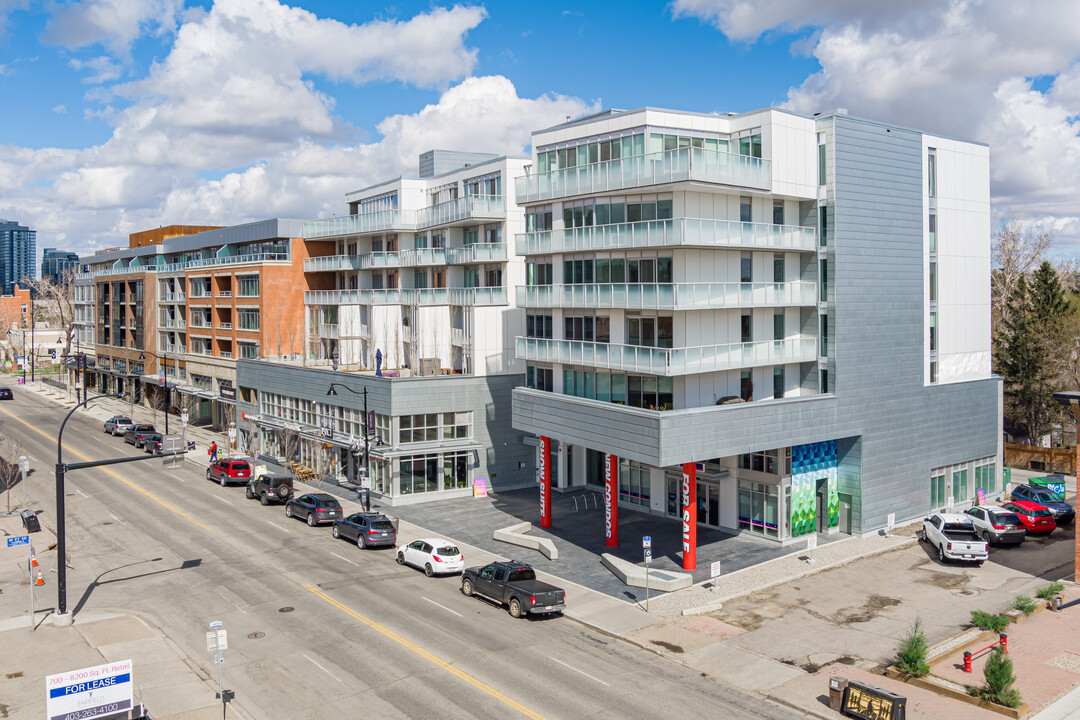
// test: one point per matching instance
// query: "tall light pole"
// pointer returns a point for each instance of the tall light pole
(32, 325)
(367, 437)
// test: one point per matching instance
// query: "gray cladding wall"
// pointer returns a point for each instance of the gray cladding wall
(892, 428)
(503, 448)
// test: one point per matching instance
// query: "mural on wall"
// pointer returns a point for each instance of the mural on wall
(811, 463)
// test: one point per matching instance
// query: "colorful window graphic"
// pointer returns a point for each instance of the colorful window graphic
(812, 464)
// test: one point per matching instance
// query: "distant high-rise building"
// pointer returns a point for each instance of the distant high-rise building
(55, 262)
(18, 250)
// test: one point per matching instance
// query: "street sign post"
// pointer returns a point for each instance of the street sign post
(90, 692)
(184, 417)
(811, 545)
(18, 540)
(217, 642)
(890, 523)
(646, 544)
(172, 444)
(714, 572)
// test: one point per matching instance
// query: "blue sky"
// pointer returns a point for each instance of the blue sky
(128, 114)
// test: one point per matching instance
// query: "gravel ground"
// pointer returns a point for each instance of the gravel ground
(778, 571)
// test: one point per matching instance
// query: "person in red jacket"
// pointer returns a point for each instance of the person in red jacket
(213, 452)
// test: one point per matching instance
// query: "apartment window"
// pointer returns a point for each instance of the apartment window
(824, 336)
(931, 171)
(746, 268)
(472, 277)
(933, 232)
(933, 281)
(745, 209)
(960, 485)
(438, 240)
(823, 225)
(248, 351)
(538, 274)
(493, 234)
(824, 375)
(933, 332)
(778, 382)
(457, 426)
(937, 491)
(391, 280)
(539, 378)
(746, 386)
(492, 278)
(778, 268)
(650, 331)
(418, 428)
(247, 285)
(759, 508)
(933, 371)
(438, 278)
(747, 328)
(634, 483)
(538, 326)
(821, 159)
(778, 212)
(824, 284)
(249, 319)
(750, 145)
(537, 221)
(778, 326)
(420, 279)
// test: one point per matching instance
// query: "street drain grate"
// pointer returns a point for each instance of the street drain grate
(286, 609)
(12, 676)
(256, 635)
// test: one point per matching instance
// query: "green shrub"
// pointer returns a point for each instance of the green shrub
(912, 651)
(985, 621)
(1025, 604)
(999, 680)
(1049, 590)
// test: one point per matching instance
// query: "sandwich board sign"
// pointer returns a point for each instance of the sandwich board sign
(90, 692)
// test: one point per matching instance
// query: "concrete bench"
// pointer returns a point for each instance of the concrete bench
(634, 575)
(515, 535)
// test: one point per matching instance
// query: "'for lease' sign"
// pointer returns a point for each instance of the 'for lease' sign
(90, 692)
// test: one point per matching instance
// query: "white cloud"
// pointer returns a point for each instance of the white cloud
(100, 69)
(960, 68)
(60, 109)
(115, 24)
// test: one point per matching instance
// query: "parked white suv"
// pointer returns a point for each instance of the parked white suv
(954, 537)
(995, 524)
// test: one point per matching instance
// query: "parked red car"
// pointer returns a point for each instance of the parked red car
(229, 471)
(1035, 517)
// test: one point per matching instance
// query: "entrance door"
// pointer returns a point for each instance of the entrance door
(823, 505)
(674, 491)
(708, 504)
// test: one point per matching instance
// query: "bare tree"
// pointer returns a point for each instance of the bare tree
(228, 414)
(1015, 252)
(56, 297)
(10, 450)
(289, 440)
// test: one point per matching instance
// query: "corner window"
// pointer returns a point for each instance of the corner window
(931, 172)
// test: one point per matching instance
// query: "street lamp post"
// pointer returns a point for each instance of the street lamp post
(367, 438)
(32, 325)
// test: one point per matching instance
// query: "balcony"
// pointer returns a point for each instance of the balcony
(684, 232)
(225, 354)
(476, 253)
(668, 361)
(457, 336)
(225, 294)
(331, 263)
(409, 296)
(236, 260)
(200, 324)
(173, 297)
(674, 166)
(472, 208)
(385, 221)
(172, 325)
(669, 296)
(224, 326)
(329, 332)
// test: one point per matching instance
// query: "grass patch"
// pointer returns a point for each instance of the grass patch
(912, 651)
(985, 621)
(1049, 590)
(1025, 604)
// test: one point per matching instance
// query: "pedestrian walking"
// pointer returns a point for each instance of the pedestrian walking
(213, 452)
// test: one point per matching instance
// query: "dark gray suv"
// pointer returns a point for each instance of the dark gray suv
(367, 529)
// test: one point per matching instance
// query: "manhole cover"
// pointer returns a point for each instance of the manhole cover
(286, 609)
(107, 522)
(256, 635)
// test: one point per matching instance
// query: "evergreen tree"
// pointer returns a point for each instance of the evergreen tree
(1048, 301)
(1022, 361)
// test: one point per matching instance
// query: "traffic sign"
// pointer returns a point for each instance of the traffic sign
(217, 640)
(646, 542)
(90, 692)
(18, 540)
(648, 555)
(811, 542)
(715, 570)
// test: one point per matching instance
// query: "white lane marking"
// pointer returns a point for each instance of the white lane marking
(444, 608)
(322, 668)
(345, 559)
(82, 493)
(578, 671)
(235, 605)
(117, 519)
(277, 526)
(223, 500)
(32, 458)
(175, 477)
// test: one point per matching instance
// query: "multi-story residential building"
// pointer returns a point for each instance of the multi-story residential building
(179, 313)
(18, 255)
(413, 306)
(55, 263)
(762, 323)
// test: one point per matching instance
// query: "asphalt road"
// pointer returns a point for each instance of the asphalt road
(317, 627)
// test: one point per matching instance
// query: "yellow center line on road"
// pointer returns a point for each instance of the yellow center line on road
(426, 655)
(130, 484)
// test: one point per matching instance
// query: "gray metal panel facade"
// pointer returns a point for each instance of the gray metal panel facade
(892, 428)
(487, 397)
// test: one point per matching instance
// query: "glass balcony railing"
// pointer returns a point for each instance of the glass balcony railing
(476, 253)
(330, 263)
(409, 296)
(682, 165)
(236, 259)
(403, 220)
(685, 232)
(667, 361)
(669, 296)
(473, 207)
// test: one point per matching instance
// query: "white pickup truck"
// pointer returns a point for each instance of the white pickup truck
(955, 538)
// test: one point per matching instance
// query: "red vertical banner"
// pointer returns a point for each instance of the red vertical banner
(611, 500)
(689, 516)
(544, 471)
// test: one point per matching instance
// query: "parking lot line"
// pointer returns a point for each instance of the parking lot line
(345, 559)
(427, 655)
(442, 606)
(223, 500)
(278, 526)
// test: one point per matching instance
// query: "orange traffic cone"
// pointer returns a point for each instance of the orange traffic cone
(40, 579)
(33, 560)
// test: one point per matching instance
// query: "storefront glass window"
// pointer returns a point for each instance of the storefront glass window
(759, 508)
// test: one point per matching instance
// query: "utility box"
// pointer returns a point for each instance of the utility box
(30, 521)
(837, 686)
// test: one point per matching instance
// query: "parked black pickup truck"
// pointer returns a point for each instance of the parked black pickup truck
(513, 584)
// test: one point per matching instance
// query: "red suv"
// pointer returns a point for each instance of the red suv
(227, 471)
(1034, 516)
